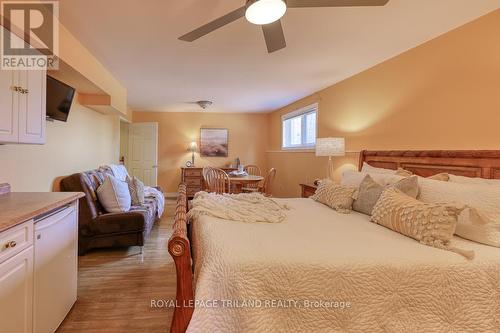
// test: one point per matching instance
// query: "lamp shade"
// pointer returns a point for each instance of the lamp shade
(330, 147)
(193, 146)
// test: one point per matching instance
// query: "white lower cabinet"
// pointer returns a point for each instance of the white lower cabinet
(38, 272)
(16, 293)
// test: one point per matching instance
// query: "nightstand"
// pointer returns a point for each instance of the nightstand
(308, 190)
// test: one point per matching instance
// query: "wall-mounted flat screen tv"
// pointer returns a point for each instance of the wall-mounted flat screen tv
(59, 99)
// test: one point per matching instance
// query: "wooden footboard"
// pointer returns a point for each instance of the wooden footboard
(180, 250)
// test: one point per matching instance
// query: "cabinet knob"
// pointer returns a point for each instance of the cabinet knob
(10, 244)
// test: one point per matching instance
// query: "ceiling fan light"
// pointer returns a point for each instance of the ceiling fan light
(265, 11)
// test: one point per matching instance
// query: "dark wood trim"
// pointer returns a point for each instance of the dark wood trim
(180, 250)
(470, 163)
(307, 190)
(4, 188)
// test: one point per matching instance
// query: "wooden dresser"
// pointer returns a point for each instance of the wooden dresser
(308, 190)
(193, 177)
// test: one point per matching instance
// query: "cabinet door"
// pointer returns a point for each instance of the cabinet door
(8, 108)
(16, 293)
(32, 106)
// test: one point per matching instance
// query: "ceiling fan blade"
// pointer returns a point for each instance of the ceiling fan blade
(214, 25)
(275, 38)
(334, 3)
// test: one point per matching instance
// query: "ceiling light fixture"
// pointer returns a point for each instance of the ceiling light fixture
(263, 12)
(204, 104)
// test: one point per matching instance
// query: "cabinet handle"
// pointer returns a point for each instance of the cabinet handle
(15, 88)
(24, 91)
(10, 244)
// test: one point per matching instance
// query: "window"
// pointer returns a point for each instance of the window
(299, 128)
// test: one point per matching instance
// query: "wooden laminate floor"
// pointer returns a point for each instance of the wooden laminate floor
(115, 287)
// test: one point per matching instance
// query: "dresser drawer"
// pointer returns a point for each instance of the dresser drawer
(193, 182)
(192, 173)
(192, 190)
(16, 239)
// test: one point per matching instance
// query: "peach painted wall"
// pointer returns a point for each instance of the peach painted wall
(88, 140)
(247, 140)
(444, 94)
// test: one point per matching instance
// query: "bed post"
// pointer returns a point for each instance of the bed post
(180, 250)
(361, 159)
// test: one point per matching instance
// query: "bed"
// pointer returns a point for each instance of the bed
(323, 271)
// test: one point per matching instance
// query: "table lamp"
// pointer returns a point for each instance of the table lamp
(192, 148)
(330, 147)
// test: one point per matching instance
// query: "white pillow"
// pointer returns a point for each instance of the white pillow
(114, 195)
(471, 180)
(370, 169)
(481, 222)
(354, 178)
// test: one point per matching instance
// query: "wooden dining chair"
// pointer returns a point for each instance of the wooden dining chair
(204, 173)
(267, 187)
(217, 181)
(252, 170)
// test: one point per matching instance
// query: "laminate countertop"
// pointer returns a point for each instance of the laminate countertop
(19, 207)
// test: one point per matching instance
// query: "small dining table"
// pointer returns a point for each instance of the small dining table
(240, 182)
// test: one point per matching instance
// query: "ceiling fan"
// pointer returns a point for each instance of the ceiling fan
(268, 13)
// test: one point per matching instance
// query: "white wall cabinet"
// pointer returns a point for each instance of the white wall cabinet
(9, 116)
(22, 106)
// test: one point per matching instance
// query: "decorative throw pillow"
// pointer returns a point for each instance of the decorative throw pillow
(352, 178)
(369, 169)
(431, 224)
(335, 196)
(114, 195)
(370, 191)
(136, 189)
(404, 173)
(440, 176)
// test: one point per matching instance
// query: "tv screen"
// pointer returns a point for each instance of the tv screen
(59, 99)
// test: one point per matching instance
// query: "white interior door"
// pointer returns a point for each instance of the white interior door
(143, 152)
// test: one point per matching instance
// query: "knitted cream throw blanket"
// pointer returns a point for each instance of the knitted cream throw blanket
(245, 207)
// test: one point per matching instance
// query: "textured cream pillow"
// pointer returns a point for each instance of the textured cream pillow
(114, 195)
(335, 196)
(371, 169)
(431, 224)
(136, 189)
(369, 192)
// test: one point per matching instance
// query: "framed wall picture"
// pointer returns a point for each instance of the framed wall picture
(214, 142)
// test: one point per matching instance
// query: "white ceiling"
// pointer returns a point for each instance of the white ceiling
(137, 41)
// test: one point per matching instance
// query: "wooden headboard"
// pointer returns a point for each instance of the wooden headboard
(425, 163)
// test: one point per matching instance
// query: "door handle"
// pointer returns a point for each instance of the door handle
(154, 166)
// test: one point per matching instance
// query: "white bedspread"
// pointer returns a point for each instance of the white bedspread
(393, 283)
